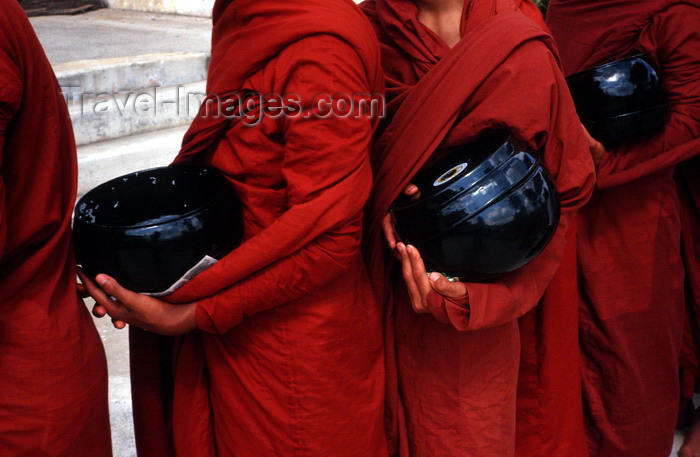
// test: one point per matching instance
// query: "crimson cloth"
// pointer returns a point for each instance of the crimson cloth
(629, 239)
(688, 179)
(53, 371)
(288, 358)
(452, 375)
(549, 408)
(529, 9)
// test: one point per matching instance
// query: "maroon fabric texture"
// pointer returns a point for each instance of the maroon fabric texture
(288, 360)
(631, 271)
(451, 389)
(53, 372)
(688, 178)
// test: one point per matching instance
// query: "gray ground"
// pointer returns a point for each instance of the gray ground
(109, 33)
(117, 348)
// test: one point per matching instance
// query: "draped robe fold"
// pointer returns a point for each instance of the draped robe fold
(688, 179)
(629, 241)
(53, 371)
(452, 376)
(288, 357)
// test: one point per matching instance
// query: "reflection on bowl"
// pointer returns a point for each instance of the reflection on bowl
(147, 229)
(619, 100)
(486, 209)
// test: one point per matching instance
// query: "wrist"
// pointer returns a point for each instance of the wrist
(184, 320)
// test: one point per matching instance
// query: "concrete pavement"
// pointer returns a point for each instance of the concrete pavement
(116, 343)
(126, 72)
(100, 162)
(109, 33)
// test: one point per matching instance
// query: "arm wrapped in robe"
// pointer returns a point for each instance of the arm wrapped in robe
(327, 172)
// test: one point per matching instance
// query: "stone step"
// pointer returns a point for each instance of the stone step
(100, 162)
(124, 74)
(189, 7)
(111, 116)
(116, 97)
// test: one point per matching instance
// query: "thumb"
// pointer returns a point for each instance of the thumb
(113, 288)
(100, 296)
(444, 286)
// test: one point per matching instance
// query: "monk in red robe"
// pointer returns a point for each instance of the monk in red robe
(688, 178)
(454, 70)
(629, 242)
(53, 371)
(282, 353)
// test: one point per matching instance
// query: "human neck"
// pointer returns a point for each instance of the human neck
(444, 17)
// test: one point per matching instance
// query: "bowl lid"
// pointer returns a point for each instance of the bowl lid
(458, 171)
(150, 197)
(520, 167)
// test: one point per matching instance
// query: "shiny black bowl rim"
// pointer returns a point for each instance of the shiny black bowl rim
(641, 56)
(420, 201)
(531, 172)
(512, 150)
(163, 222)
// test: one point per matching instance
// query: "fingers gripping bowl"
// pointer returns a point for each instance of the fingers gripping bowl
(484, 210)
(148, 228)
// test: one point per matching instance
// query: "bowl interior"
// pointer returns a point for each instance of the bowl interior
(149, 197)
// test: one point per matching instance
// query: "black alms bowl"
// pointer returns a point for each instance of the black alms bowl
(147, 229)
(486, 209)
(619, 100)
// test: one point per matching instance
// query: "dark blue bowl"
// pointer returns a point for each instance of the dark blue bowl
(619, 100)
(485, 210)
(147, 229)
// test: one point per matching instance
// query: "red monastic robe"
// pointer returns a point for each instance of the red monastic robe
(549, 415)
(288, 357)
(53, 372)
(688, 179)
(631, 273)
(529, 9)
(452, 375)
